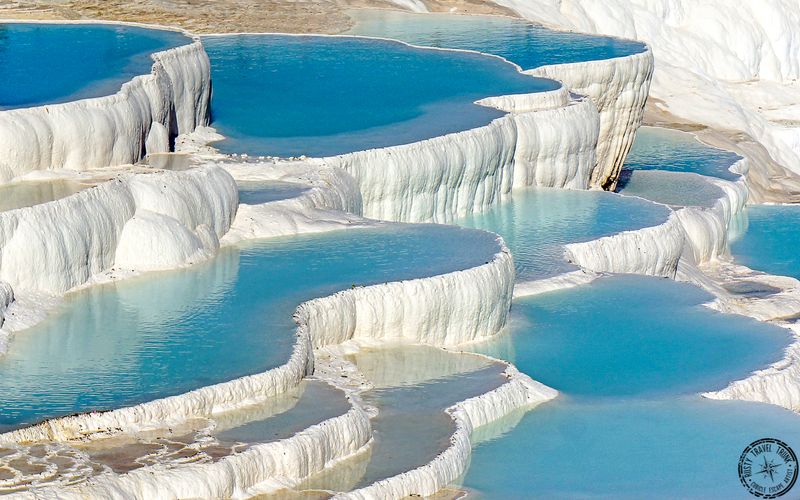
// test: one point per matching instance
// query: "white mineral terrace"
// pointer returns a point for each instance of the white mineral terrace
(137, 220)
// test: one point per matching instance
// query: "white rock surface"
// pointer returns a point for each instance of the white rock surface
(619, 88)
(446, 177)
(114, 130)
(70, 240)
(730, 67)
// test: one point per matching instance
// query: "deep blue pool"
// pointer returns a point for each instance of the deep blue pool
(658, 148)
(521, 42)
(771, 240)
(537, 223)
(165, 334)
(53, 63)
(287, 95)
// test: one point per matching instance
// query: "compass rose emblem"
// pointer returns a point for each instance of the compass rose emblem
(768, 468)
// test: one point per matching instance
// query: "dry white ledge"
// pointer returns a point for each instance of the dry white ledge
(142, 117)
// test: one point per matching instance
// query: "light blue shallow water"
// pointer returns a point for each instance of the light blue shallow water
(627, 352)
(537, 223)
(771, 241)
(684, 448)
(658, 148)
(676, 189)
(520, 42)
(53, 63)
(629, 336)
(331, 95)
(412, 428)
(257, 192)
(140, 339)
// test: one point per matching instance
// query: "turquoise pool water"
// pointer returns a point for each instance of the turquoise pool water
(676, 189)
(331, 95)
(684, 448)
(771, 240)
(627, 354)
(156, 336)
(537, 223)
(657, 148)
(53, 63)
(626, 336)
(525, 44)
(257, 192)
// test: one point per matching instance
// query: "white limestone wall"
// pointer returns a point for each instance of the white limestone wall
(145, 115)
(236, 476)
(138, 222)
(692, 235)
(619, 88)
(446, 177)
(730, 67)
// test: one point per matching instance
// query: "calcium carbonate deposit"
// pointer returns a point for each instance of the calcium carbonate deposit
(434, 255)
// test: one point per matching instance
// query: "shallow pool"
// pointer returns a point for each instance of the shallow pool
(625, 336)
(167, 333)
(30, 193)
(331, 95)
(521, 42)
(676, 189)
(674, 448)
(537, 223)
(657, 148)
(257, 192)
(54, 63)
(771, 240)
(627, 354)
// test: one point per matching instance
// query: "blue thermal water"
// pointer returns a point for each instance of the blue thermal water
(537, 223)
(626, 336)
(257, 192)
(627, 353)
(658, 148)
(318, 96)
(683, 447)
(525, 44)
(677, 189)
(53, 63)
(771, 240)
(139, 339)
